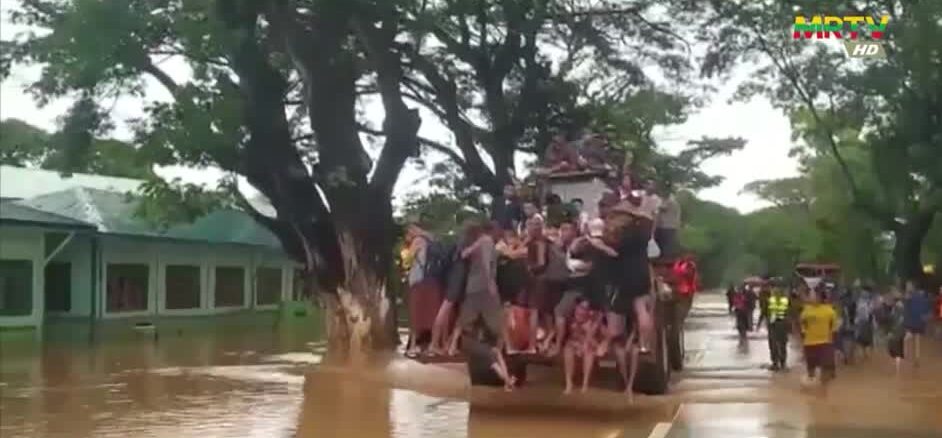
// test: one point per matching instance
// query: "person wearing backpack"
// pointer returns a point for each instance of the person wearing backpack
(425, 291)
(864, 321)
(455, 276)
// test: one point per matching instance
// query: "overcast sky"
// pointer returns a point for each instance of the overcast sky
(765, 129)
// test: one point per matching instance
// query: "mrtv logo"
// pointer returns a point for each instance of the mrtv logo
(862, 36)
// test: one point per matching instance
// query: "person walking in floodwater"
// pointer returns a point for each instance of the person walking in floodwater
(864, 322)
(895, 328)
(916, 317)
(818, 323)
(778, 305)
(740, 306)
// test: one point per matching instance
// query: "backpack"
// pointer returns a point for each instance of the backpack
(439, 258)
(739, 301)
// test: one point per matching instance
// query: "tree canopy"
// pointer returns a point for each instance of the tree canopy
(25, 145)
(879, 121)
(276, 92)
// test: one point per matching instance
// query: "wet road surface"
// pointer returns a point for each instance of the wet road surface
(266, 382)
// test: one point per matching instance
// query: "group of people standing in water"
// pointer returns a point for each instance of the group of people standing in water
(545, 280)
(832, 323)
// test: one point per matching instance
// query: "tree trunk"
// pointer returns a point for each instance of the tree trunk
(360, 313)
(907, 252)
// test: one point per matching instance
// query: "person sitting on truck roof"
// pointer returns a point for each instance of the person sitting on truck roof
(561, 157)
(597, 153)
(667, 223)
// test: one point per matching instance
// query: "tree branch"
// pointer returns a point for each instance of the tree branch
(429, 143)
(401, 123)
(162, 77)
(446, 95)
(780, 61)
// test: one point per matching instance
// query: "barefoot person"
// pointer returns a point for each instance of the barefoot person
(481, 299)
(486, 364)
(579, 266)
(425, 291)
(454, 292)
(629, 235)
(818, 324)
(626, 359)
(581, 343)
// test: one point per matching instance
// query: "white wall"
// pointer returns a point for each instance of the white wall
(78, 254)
(589, 190)
(159, 254)
(25, 243)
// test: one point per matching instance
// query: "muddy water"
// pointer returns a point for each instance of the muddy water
(264, 380)
(239, 381)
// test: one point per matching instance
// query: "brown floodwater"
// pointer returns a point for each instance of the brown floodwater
(264, 379)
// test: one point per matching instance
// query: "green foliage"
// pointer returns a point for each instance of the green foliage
(165, 203)
(24, 145)
(453, 199)
(630, 123)
(877, 120)
(505, 76)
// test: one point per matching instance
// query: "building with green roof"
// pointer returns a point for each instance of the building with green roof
(83, 253)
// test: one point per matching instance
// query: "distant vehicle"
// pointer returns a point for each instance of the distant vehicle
(755, 281)
(812, 274)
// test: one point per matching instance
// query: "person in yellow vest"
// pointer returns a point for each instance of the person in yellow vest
(777, 313)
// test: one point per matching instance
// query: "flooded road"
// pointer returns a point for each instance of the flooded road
(263, 380)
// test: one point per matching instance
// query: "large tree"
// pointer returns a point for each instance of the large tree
(889, 111)
(277, 92)
(273, 96)
(504, 76)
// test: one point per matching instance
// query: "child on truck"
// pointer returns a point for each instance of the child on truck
(581, 343)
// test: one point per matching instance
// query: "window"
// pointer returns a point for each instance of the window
(58, 287)
(182, 287)
(301, 291)
(16, 287)
(267, 286)
(230, 287)
(127, 287)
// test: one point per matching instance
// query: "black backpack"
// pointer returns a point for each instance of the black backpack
(439, 258)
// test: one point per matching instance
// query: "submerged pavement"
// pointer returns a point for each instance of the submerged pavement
(251, 382)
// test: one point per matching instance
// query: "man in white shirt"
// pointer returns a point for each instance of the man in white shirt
(650, 201)
(667, 223)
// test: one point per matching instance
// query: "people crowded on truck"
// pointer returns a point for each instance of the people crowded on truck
(546, 278)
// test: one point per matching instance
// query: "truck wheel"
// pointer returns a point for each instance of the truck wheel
(675, 348)
(654, 375)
